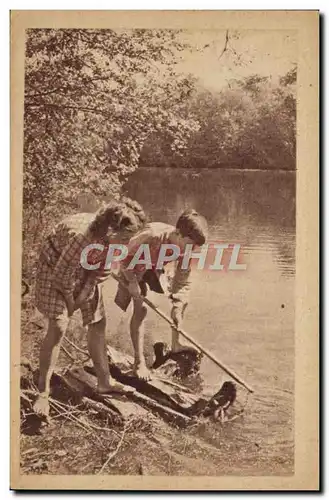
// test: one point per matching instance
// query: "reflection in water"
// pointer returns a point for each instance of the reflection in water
(256, 209)
(245, 317)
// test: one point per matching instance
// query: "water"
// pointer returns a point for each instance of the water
(246, 318)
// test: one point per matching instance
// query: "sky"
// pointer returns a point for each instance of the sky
(264, 52)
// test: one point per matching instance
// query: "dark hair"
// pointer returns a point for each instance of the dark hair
(126, 214)
(134, 209)
(193, 225)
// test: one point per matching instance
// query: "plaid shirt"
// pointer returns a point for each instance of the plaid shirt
(63, 249)
(60, 273)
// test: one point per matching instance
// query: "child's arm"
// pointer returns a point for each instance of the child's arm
(132, 275)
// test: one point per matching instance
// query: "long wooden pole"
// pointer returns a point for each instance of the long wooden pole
(152, 306)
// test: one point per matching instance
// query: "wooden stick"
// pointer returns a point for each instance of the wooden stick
(112, 455)
(230, 372)
(72, 358)
(102, 410)
(72, 344)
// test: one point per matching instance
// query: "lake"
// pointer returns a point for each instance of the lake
(246, 318)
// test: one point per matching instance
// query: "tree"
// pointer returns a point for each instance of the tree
(251, 123)
(92, 98)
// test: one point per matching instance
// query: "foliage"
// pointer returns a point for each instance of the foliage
(100, 103)
(92, 98)
(250, 124)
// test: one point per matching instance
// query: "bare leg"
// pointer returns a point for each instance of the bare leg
(137, 337)
(48, 358)
(176, 346)
(97, 351)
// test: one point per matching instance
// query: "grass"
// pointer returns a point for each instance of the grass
(67, 447)
(144, 445)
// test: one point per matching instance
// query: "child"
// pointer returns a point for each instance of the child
(63, 285)
(191, 228)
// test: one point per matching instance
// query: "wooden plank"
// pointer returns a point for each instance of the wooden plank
(131, 405)
(166, 413)
(165, 392)
(120, 404)
(164, 397)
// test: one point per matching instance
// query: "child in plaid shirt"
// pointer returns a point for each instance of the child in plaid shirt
(63, 285)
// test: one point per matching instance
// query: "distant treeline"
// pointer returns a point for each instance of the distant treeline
(250, 124)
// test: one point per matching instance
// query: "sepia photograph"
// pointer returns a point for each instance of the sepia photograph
(156, 205)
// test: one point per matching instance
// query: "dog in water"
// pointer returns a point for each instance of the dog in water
(186, 362)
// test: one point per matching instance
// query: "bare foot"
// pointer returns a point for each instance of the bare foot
(114, 388)
(142, 372)
(41, 406)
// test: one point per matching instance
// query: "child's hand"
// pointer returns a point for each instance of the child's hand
(70, 304)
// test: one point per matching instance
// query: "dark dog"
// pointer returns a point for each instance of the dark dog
(187, 361)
